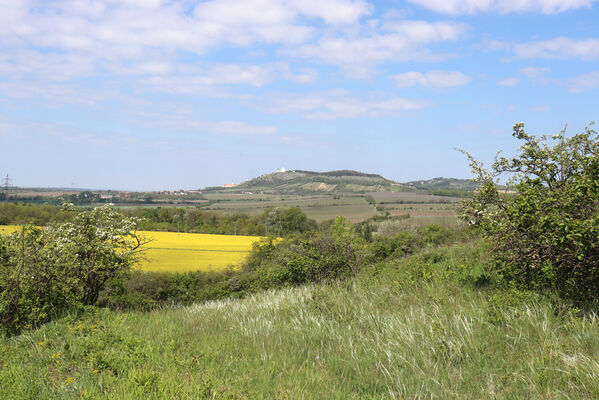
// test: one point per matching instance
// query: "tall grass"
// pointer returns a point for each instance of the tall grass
(381, 335)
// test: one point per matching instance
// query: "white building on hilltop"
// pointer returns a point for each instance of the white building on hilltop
(282, 169)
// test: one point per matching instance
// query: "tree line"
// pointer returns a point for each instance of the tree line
(276, 221)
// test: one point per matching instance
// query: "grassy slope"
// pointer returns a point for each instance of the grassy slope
(404, 329)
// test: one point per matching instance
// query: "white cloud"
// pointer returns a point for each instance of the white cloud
(432, 79)
(129, 26)
(336, 104)
(560, 47)
(540, 108)
(49, 66)
(183, 119)
(534, 72)
(274, 12)
(399, 42)
(509, 82)
(239, 128)
(209, 81)
(117, 34)
(583, 82)
(457, 7)
(579, 83)
(52, 95)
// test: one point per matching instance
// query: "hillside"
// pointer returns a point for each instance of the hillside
(299, 182)
(388, 333)
(306, 182)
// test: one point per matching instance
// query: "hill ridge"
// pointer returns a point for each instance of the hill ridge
(302, 181)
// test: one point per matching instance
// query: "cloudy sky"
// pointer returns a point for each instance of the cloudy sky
(167, 94)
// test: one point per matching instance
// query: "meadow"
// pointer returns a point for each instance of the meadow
(406, 328)
(182, 252)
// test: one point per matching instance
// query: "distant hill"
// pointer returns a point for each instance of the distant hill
(341, 181)
(305, 182)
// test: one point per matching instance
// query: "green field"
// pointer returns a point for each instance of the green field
(323, 207)
(320, 208)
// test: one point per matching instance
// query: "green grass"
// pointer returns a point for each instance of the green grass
(411, 328)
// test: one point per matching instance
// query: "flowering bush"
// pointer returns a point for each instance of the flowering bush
(546, 232)
(45, 272)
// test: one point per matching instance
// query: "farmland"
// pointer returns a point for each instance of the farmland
(319, 207)
(181, 252)
(8, 228)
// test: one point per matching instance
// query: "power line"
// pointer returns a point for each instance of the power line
(6, 185)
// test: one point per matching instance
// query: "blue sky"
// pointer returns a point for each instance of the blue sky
(159, 94)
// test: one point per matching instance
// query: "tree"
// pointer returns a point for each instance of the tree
(45, 272)
(284, 221)
(293, 219)
(546, 234)
(273, 219)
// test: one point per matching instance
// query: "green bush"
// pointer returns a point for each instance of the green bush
(546, 235)
(46, 272)
(434, 235)
(407, 242)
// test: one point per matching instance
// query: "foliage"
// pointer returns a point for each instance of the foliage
(546, 236)
(149, 290)
(19, 213)
(46, 272)
(285, 221)
(195, 220)
(406, 242)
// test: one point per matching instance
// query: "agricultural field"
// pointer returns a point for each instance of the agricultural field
(416, 204)
(182, 252)
(318, 207)
(9, 228)
(326, 206)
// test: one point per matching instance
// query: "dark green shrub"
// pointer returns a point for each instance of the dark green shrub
(399, 245)
(435, 235)
(261, 251)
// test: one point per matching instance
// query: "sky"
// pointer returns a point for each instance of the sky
(184, 94)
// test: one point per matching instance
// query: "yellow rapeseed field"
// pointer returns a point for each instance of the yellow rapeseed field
(181, 252)
(9, 228)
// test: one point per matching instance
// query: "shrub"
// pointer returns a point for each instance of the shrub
(46, 272)
(434, 235)
(546, 235)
